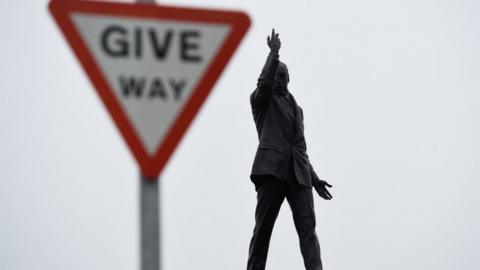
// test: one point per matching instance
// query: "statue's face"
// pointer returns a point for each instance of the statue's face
(282, 78)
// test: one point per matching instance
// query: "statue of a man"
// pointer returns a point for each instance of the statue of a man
(281, 168)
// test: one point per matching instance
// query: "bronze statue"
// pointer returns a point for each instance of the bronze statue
(281, 168)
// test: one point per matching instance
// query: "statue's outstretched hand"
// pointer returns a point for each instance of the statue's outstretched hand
(321, 188)
(273, 42)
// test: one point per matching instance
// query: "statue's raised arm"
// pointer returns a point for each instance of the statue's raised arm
(264, 90)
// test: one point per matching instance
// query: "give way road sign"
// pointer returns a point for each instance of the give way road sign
(152, 66)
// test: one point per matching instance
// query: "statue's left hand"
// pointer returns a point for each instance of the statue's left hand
(273, 42)
(321, 188)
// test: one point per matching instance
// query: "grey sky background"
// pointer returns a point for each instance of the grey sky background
(391, 96)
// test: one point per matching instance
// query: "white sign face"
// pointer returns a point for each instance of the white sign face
(152, 66)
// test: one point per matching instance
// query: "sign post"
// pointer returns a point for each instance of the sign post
(149, 224)
(152, 66)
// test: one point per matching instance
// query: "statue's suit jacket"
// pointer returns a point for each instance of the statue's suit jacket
(277, 149)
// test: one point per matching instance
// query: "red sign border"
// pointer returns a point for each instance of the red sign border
(150, 166)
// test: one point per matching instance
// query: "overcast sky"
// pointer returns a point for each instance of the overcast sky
(391, 97)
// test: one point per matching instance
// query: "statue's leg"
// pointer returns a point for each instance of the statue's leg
(270, 195)
(300, 199)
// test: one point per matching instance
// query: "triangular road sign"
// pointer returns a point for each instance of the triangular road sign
(153, 66)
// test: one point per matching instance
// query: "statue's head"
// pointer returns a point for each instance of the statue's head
(282, 78)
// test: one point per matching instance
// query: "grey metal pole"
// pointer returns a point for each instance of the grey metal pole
(149, 224)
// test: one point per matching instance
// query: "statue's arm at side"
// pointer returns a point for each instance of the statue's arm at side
(319, 184)
(315, 179)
